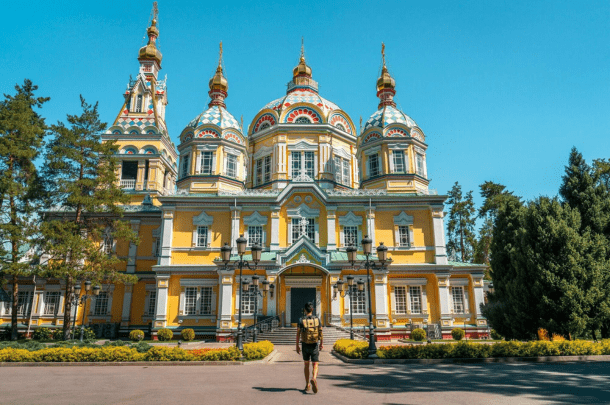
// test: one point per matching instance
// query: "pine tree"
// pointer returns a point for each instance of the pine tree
(89, 204)
(602, 171)
(22, 132)
(460, 227)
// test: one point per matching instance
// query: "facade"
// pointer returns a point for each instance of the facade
(303, 182)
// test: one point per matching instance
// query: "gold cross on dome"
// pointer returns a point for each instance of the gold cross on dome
(383, 53)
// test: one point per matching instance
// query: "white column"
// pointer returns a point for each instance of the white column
(140, 182)
(133, 248)
(166, 236)
(381, 296)
(126, 315)
(479, 294)
(272, 302)
(161, 310)
(330, 225)
(275, 229)
(235, 215)
(225, 298)
(370, 224)
(443, 296)
(439, 235)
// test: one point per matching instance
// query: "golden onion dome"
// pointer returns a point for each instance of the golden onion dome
(385, 81)
(150, 51)
(218, 81)
(302, 68)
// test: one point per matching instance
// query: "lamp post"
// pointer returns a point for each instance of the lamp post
(354, 291)
(382, 256)
(225, 252)
(255, 290)
(82, 300)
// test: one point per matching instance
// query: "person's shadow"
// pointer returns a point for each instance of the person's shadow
(278, 389)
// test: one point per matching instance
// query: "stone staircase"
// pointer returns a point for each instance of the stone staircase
(287, 336)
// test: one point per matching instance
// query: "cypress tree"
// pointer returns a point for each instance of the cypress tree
(88, 205)
(22, 132)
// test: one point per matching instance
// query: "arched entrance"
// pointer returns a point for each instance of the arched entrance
(298, 284)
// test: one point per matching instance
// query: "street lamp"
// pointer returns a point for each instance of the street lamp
(355, 291)
(256, 289)
(78, 300)
(225, 252)
(382, 256)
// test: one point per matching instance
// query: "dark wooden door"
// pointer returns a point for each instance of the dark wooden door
(298, 298)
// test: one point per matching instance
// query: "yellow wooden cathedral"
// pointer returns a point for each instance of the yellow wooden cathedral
(303, 182)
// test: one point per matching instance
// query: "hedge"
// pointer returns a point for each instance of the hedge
(136, 352)
(357, 350)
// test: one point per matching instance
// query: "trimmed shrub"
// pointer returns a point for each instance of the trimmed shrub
(58, 334)
(352, 348)
(88, 334)
(165, 334)
(458, 334)
(136, 335)
(543, 334)
(257, 351)
(418, 334)
(188, 334)
(141, 347)
(42, 334)
(557, 338)
(495, 335)
(230, 354)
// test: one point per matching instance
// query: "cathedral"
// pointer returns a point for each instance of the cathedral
(302, 182)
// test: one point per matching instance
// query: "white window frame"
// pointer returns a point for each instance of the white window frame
(347, 300)
(398, 160)
(202, 219)
(150, 290)
(201, 287)
(369, 161)
(108, 245)
(404, 239)
(302, 147)
(303, 211)
(238, 295)
(403, 219)
(46, 296)
(255, 235)
(202, 236)
(460, 294)
(201, 149)
(401, 308)
(231, 165)
(350, 219)
(350, 232)
(415, 295)
(206, 162)
(420, 162)
(256, 219)
(342, 171)
(185, 165)
(190, 301)
(407, 283)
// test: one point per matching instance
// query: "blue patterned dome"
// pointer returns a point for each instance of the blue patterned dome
(301, 96)
(386, 116)
(216, 115)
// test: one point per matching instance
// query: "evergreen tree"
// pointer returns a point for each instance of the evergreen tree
(89, 206)
(460, 227)
(22, 132)
(602, 170)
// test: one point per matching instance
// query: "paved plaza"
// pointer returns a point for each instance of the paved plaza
(281, 381)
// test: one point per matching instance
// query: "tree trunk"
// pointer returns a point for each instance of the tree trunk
(14, 332)
(604, 330)
(68, 308)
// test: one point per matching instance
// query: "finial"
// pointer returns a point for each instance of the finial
(242, 122)
(383, 53)
(360, 124)
(155, 12)
(302, 49)
(220, 56)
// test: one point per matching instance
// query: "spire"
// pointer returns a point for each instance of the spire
(301, 75)
(219, 85)
(149, 52)
(301, 70)
(385, 84)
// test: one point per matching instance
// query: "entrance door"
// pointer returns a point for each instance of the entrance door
(298, 298)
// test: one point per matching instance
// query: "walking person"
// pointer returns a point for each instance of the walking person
(309, 333)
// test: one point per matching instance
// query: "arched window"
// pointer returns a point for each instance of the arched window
(341, 127)
(264, 125)
(302, 120)
(139, 103)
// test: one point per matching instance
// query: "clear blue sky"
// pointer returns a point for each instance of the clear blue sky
(502, 90)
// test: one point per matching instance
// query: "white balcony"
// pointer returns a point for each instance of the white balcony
(128, 184)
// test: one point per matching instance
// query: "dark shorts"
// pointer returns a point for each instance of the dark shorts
(310, 352)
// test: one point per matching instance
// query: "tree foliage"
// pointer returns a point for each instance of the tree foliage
(22, 132)
(88, 205)
(461, 237)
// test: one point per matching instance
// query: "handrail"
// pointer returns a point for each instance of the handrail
(268, 324)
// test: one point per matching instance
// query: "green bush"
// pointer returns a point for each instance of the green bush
(88, 334)
(30, 345)
(257, 351)
(458, 334)
(188, 334)
(141, 347)
(418, 334)
(351, 348)
(495, 335)
(165, 335)
(42, 334)
(58, 334)
(136, 335)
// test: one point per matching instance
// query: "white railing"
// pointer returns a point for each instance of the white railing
(128, 184)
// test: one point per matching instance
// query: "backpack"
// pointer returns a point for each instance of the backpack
(310, 331)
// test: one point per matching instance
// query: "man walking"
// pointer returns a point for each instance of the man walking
(309, 333)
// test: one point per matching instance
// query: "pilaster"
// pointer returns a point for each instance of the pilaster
(443, 296)
(126, 314)
(133, 248)
(370, 223)
(161, 310)
(275, 229)
(166, 236)
(225, 298)
(330, 226)
(439, 235)
(479, 298)
(235, 216)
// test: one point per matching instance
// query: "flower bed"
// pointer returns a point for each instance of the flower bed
(110, 353)
(357, 349)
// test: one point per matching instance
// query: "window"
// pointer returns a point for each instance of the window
(342, 171)
(255, 235)
(400, 297)
(24, 303)
(458, 299)
(107, 242)
(303, 163)
(420, 164)
(231, 165)
(350, 236)
(399, 161)
(185, 165)
(303, 227)
(264, 125)
(202, 236)
(259, 171)
(358, 303)
(139, 103)
(403, 236)
(101, 304)
(415, 293)
(206, 300)
(248, 301)
(302, 120)
(374, 165)
(51, 302)
(263, 170)
(267, 168)
(190, 301)
(152, 303)
(157, 251)
(207, 159)
(341, 127)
